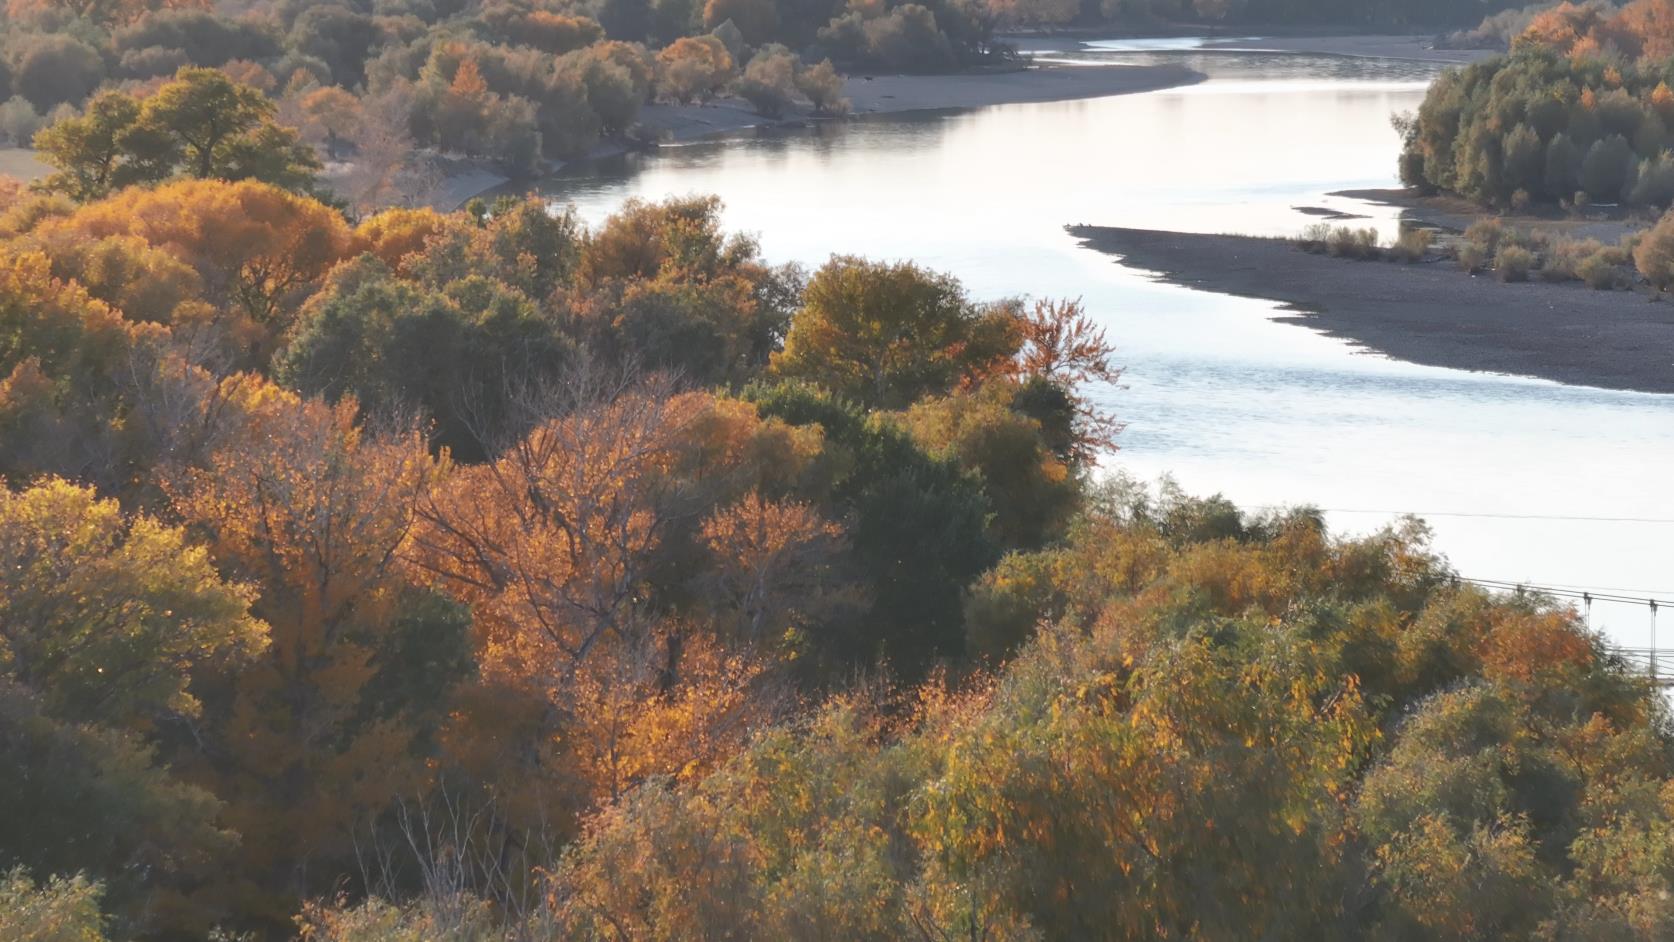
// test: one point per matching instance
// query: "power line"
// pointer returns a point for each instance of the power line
(1558, 592)
(1596, 589)
(1490, 516)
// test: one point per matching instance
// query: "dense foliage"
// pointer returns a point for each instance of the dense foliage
(480, 575)
(1230, 726)
(308, 524)
(1579, 112)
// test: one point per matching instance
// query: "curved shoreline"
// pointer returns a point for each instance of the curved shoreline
(906, 94)
(1431, 314)
(876, 96)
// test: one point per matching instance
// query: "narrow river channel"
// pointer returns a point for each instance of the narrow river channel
(1554, 485)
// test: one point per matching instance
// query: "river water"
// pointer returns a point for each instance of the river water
(1516, 476)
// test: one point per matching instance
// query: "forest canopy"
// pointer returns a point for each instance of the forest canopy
(377, 574)
(487, 575)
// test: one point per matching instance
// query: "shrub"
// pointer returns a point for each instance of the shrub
(1563, 259)
(1513, 262)
(1472, 257)
(1598, 273)
(1486, 233)
(1345, 242)
(1654, 255)
(1314, 236)
(1412, 246)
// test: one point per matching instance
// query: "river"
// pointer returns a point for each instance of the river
(1522, 480)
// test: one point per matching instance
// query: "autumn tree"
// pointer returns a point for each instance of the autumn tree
(769, 80)
(258, 250)
(823, 86)
(1064, 353)
(778, 574)
(885, 334)
(59, 908)
(693, 69)
(332, 115)
(559, 544)
(64, 360)
(668, 288)
(1654, 255)
(312, 509)
(1031, 487)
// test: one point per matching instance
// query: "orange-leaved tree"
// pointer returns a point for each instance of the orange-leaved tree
(301, 502)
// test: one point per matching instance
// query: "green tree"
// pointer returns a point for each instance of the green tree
(200, 116)
(86, 799)
(59, 910)
(904, 505)
(201, 125)
(885, 334)
(108, 618)
(89, 150)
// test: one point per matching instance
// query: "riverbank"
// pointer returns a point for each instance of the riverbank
(898, 94)
(1433, 314)
(871, 95)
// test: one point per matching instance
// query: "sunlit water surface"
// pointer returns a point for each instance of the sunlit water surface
(1216, 394)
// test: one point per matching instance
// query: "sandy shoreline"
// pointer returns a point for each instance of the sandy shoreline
(1433, 314)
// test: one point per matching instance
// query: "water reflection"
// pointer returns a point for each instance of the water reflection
(1216, 392)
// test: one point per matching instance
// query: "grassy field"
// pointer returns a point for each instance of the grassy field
(20, 162)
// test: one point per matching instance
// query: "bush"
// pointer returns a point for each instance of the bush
(1412, 246)
(1472, 257)
(1513, 262)
(1314, 236)
(1654, 255)
(1345, 242)
(1598, 273)
(1563, 259)
(1486, 233)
